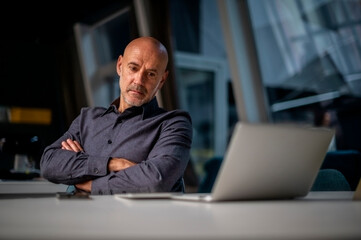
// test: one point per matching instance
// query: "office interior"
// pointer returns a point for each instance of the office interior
(258, 61)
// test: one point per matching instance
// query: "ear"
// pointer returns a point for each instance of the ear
(164, 78)
(119, 65)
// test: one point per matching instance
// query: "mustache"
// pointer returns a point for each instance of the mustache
(138, 88)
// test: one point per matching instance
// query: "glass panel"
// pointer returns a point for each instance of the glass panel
(99, 47)
(185, 24)
(203, 81)
(202, 89)
(310, 57)
(198, 98)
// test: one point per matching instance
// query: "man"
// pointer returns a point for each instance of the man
(132, 146)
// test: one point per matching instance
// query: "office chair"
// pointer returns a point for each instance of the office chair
(348, 162)
(330, 180)
(211, 168)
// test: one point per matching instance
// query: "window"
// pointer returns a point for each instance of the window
(202, 77)
(203, 93)
(310, 59)
(99, 46)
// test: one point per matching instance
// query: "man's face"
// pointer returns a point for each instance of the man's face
(142, 73)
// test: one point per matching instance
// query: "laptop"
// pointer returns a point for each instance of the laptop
(264, 162)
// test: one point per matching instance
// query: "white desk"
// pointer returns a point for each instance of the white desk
(30, 187)
(104, 217)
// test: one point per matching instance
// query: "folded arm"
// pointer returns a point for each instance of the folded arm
(65, 161)
(114, 164)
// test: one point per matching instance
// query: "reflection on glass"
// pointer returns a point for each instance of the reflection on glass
(198, 98)
(202, 90)
(310, 58)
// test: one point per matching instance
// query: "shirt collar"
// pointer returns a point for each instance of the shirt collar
(147, 108)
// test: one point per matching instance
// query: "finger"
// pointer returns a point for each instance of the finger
(78, 145)
(65, 145)
(73, 146)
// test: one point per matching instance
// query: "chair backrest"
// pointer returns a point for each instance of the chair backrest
(330, 180)
(348, 162)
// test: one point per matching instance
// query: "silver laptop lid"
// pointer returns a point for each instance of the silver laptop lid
(271, 161)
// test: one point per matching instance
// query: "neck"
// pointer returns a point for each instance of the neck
(123, 105)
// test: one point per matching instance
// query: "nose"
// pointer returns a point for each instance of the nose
(139, 77)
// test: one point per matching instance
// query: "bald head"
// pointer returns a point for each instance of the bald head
(150, 46)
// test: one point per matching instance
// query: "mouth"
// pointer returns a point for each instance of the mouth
(137, 91)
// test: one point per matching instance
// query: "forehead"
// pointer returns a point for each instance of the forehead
(145, 56)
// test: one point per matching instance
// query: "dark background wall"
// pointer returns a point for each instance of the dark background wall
(39, 67)
(37, 52)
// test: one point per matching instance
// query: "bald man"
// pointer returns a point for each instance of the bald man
(131, 146)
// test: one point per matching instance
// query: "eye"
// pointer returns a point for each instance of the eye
(152, 75)
(132, 67)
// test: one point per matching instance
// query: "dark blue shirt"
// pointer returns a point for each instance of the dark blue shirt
(159, 141)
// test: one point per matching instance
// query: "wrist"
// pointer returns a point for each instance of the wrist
(117, 164)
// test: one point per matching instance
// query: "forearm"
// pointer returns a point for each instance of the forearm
(68, 167)
(153, 175)
(118, 164)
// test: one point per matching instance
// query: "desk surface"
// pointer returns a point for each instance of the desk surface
(30, 187)
(321, 215)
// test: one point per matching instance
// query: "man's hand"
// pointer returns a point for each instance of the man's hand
(85, 186)
(117, 164)
(71, 145)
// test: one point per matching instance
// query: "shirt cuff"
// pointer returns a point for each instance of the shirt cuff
(97, 166)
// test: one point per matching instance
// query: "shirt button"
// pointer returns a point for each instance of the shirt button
(110, 141)
(96, 170)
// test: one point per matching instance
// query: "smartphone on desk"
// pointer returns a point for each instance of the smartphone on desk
(73, 195)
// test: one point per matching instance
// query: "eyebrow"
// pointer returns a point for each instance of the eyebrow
(149, 70)
(133, 63)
